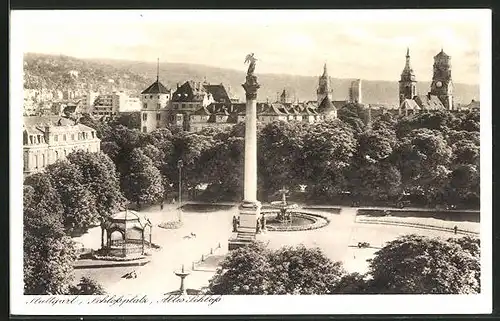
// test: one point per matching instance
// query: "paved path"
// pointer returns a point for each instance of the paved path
(337, 240)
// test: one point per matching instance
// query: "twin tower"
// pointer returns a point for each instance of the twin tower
(441, 86)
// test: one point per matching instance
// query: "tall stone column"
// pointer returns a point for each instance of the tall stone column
(250, 208)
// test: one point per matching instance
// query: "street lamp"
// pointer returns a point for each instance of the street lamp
(179, 166)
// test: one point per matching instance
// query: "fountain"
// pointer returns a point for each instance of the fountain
(182, 274)
(290, 217)
(285, 213)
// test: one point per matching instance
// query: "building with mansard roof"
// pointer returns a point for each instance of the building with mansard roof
(191, 96)
(48, 139)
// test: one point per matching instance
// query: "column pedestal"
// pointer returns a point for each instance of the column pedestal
(249, 214)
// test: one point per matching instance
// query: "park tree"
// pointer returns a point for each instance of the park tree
(154, 153)
(100, 178)
(454, 136)
(464, 184)
(352, 283)
(111, 149)
(129, 120)
(419, 156)
(376, 145)
(414, 264)
(469, 121)
(280, 156)
(245, 270)
(102, 129)
(254, 269)
(381, 181)
(87, 286)
(142, 183)
(354, 114)
(187, 147)
(48, 254)
(222, 168)
(78, 202)
(465, 152)
(325, 158)
(301, 270)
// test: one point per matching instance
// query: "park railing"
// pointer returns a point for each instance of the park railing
(203, 258)
(434, 226)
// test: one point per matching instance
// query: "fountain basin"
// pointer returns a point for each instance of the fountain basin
(300, 221)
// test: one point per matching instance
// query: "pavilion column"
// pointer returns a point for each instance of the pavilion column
(143, 241)
(102, 236)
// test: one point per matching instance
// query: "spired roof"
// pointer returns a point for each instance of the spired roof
(156, 88)
(441, 54)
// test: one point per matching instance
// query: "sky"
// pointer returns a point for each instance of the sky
(367, 44)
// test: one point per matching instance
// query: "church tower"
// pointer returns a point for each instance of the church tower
(324, 88)
(407, 83)
(442, 85)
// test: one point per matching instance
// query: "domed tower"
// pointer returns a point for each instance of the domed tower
(408, 82)
(324, 88)
(442, 85)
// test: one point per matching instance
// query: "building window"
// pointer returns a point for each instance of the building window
(31, 140)
(144, 116)
(39, 138)
(43, 160)
(56, 138)
(151, 96)
(93, 134)
(144, 129)
(26, 161)
(158, 117)
(72, 136)
(158, 105)
(65, 153)
(144, 105)
(64, 137)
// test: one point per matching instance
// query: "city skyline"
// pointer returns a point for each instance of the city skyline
(351, 45)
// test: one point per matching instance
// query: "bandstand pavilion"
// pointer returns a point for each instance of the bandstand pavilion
(126, 233)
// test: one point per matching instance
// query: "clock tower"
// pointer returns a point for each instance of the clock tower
(442, 85)
(408, 82)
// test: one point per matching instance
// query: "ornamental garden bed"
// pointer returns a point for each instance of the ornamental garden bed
(446, 215)
(172, 225)
(204, 208)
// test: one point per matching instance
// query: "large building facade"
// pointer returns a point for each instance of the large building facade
(48, 139)
(111, 105)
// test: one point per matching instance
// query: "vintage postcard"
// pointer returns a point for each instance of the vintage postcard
(251, 162)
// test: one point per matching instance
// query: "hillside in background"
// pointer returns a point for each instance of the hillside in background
(54, 72)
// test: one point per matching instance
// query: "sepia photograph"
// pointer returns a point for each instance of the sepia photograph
(251, 161)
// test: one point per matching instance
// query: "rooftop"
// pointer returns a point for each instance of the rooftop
(156, 88)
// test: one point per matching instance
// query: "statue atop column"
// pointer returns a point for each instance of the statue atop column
(251, 85)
